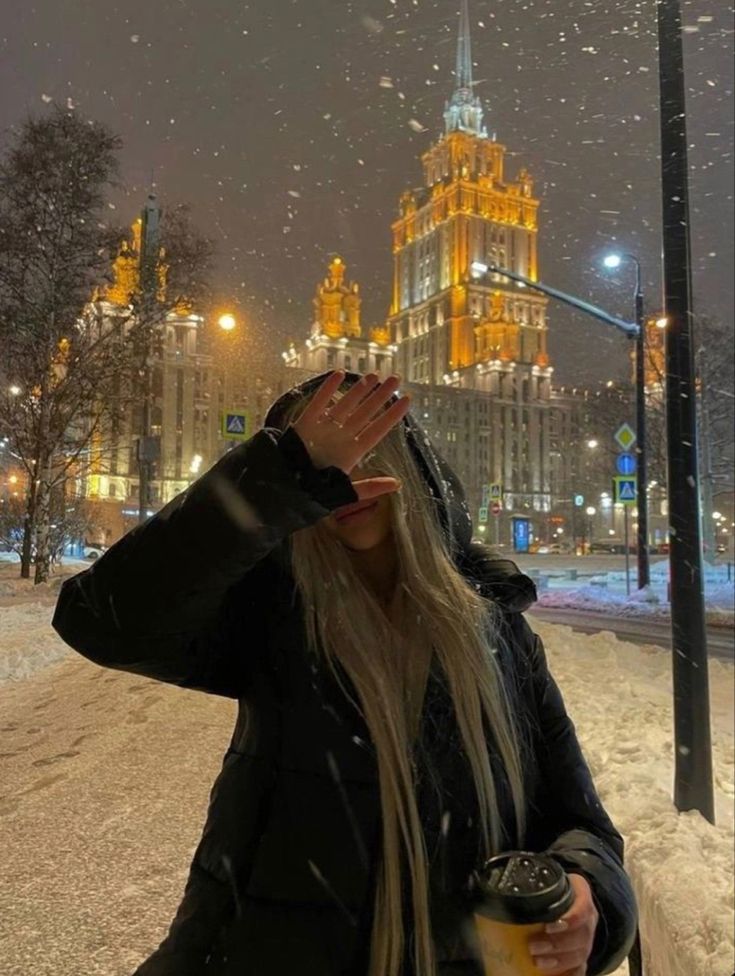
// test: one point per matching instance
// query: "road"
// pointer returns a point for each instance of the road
(636, 630)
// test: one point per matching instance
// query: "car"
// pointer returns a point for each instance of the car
(92, 552)
(603, 549)
(553, 549)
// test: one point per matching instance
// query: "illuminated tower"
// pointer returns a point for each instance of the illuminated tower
(336, 340)
(466, 211)
(455, 331)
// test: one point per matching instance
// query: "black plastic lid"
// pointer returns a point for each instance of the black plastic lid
(521, 887)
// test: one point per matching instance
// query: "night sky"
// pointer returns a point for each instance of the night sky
(292, 126)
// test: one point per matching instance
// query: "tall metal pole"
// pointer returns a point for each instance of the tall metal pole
(692, 736)
(147, 445)
(644, 574)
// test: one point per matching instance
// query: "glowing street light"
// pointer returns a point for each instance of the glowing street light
(15, 391)
(592, 444)
(612, 261)
(662, 323)
(227, 322)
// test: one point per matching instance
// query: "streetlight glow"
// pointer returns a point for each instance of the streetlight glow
(227, 322)
(15, 391)
(717, 515)
(612, 261)
(478, 268)
(592, 444)
(662, 322)
(591, 510)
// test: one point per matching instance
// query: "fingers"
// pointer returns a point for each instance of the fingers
(562, 964)
(376, 431)
(321, 398)
(360, 417)
(344, 407)
(373, 487)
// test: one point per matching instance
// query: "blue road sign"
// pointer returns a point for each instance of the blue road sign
(626, 464)
(235, 425)
(625, 490)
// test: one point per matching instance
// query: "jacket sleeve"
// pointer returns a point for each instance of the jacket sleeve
(567, 819)
(181, 597)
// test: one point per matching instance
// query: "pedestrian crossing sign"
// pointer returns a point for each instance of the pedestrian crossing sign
(496, 492)
(625, 490)
(235, 425)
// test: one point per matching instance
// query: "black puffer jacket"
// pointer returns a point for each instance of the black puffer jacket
(282, 879)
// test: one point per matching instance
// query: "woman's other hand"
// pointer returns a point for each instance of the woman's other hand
(342, 435)
(564, 951)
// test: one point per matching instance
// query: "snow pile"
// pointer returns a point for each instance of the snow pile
(621, 700)
(28, 643)
(595, 597)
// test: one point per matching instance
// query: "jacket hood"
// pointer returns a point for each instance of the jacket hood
(509, 587)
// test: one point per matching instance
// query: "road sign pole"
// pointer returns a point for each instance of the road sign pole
(627, 550)
(644, 575)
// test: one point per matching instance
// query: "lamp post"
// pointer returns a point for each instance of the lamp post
(644, 573)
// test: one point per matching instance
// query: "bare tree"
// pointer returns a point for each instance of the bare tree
(714, 371)
(69, 371)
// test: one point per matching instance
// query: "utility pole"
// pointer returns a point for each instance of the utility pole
(644, 569)
(149, 448)
(692, 736)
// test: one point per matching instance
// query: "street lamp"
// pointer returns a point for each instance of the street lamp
(613, 261)
(227, 322)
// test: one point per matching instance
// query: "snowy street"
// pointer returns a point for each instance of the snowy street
(98, 841)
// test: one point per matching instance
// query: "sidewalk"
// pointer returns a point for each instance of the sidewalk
(106, 780)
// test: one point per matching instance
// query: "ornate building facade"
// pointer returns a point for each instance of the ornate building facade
(472, 351)
(196, 375)
(336, 340)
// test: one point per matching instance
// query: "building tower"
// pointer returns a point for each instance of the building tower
(336, 340)
(489, 335)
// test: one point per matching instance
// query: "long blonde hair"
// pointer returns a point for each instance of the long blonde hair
(440, 613)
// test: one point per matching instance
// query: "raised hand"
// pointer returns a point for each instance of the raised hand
(342, 435)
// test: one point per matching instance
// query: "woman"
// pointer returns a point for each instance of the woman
(397, 720)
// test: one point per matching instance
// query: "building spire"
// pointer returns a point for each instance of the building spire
(464, 49)
(464, 110)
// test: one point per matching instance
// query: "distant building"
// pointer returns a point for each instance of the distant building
(336, 340)
(196, 377)
(473, 352)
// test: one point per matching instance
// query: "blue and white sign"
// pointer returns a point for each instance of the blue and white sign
(521, 534)
(626, 464)
(578, 501)
(625, 490)
(235, 425)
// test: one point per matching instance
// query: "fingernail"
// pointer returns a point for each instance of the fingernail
(539, 948)
(546, 963)
(560, 926)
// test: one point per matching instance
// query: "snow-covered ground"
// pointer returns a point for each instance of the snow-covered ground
(106, 777)
(598, 583)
